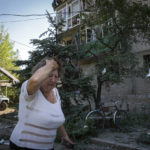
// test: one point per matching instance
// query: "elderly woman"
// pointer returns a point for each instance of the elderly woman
(40, 113)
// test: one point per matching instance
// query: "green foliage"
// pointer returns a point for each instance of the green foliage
(112, 51)
(75, 86)
(7, 54)
(117, 25)
(7, 58)
(141, 119)
(143, 138)
(73, 80)
(75, 121)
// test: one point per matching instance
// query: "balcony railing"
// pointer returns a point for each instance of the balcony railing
(70, 13)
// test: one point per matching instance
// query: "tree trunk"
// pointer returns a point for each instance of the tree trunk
(99, 90)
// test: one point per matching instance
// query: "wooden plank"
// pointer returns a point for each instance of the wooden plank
(6, 84)
(2, 81)
(9, 75)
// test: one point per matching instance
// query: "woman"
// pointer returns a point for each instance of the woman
(40, 113)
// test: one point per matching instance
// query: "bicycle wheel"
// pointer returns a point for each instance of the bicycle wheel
(120, 118)
(95, 118)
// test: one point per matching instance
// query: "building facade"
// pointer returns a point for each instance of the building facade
(68, 12)
(134, 92)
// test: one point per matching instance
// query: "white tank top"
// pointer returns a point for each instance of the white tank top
(38, 120)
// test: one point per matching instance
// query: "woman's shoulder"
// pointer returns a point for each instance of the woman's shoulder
(24, 84)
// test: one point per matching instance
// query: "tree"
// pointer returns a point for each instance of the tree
(7, 54)
(75, 88)
(7, 58)
(74, 83)
(117, 25)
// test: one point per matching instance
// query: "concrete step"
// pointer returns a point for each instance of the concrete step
(115, 145)
(95, 144)
(60, 147)
(4, 147)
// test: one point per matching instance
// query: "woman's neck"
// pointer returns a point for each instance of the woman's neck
(50, 96)
(45, 91)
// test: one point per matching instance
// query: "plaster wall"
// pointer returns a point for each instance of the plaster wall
(133, 93)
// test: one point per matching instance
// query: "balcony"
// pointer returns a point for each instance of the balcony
(73, 21)
(69, 15)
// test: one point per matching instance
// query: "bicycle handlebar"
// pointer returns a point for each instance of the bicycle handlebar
(115, 102)
(100, 104)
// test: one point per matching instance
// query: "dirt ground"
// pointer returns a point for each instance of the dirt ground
(9, 117)
(8, 120)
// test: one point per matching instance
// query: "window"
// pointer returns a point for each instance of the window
(146, 62)
(64, 14)
(83, 37)
(61, 15)
(69, 42)
(73, 14)
(69, 23)
(101, 31)
(89, 35)
(75, 8)
(69, 14)
(69, 11)
(75, 20)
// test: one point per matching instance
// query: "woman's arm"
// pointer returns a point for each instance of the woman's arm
(64, 136)
(40, 75)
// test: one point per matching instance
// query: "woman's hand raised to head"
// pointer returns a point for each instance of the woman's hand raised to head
(52, 64)
(40, 75)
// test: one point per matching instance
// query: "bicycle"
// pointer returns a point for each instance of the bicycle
(103, 113)
(120, 116)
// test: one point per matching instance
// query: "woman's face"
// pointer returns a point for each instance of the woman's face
(50, 82)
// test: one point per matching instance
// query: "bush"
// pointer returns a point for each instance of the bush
(143, 138)
(141, 119)
(75, 121)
